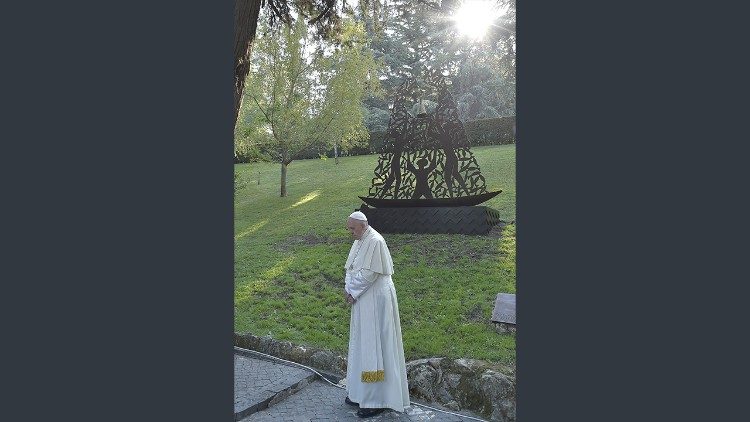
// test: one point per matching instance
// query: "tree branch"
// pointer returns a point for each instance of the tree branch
(268, 119)
(430, 4)
(313, 143)
(260, 108)
(329, 5)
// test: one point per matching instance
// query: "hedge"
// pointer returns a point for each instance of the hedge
(374, 146)
(494, 131)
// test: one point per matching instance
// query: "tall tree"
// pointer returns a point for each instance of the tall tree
(322, 13)
(421, 33)
(304, 93)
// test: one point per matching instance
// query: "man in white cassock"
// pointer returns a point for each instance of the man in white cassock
(376, 370)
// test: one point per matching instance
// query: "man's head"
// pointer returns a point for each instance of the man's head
(422, 162)
(356, 224)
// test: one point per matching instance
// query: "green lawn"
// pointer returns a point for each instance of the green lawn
(290, 253)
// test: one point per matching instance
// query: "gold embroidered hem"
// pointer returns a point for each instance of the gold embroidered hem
(373, 376)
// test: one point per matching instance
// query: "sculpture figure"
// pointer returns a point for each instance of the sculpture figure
(426, 160)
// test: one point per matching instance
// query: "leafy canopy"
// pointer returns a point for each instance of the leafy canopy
(305, 93)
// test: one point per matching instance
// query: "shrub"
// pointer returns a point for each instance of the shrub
(251, 154)
(375, 144)
(495, 131)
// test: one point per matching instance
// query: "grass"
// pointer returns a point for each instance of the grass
(290, 253)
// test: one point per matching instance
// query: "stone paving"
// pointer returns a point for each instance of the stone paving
(257, 382)
(255, 379)
(321, 401)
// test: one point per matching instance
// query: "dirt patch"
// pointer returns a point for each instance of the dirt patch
(326, 280)
(446, 250)
(309, 239)
(314, 239)
(475, 314)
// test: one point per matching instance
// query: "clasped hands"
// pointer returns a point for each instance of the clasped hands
(349, 298)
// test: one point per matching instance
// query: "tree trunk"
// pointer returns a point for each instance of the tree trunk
(245, 24)
(283, 179)
(336, 153)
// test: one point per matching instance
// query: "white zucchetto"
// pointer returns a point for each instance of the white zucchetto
(358, 215)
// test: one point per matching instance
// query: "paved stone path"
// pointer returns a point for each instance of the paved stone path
(257, 382)
(270, 391)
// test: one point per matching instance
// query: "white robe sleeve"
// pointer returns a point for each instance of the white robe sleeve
(359, 282)
(347, 282)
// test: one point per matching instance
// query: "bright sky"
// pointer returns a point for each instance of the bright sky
(474, 17)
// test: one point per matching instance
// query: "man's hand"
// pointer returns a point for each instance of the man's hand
(350, 299)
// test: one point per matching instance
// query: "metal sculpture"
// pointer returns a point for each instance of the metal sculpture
(426, 159)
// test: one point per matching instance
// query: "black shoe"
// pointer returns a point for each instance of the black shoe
(366, 413)
(349, 402)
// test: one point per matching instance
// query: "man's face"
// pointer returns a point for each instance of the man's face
(356, 228)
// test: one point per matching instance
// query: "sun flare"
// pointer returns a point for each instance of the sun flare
(474, 17)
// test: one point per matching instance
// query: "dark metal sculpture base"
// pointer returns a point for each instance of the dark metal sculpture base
(454, 220)
(458, 201)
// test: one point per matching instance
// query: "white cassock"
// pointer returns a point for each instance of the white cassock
(376, 370)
